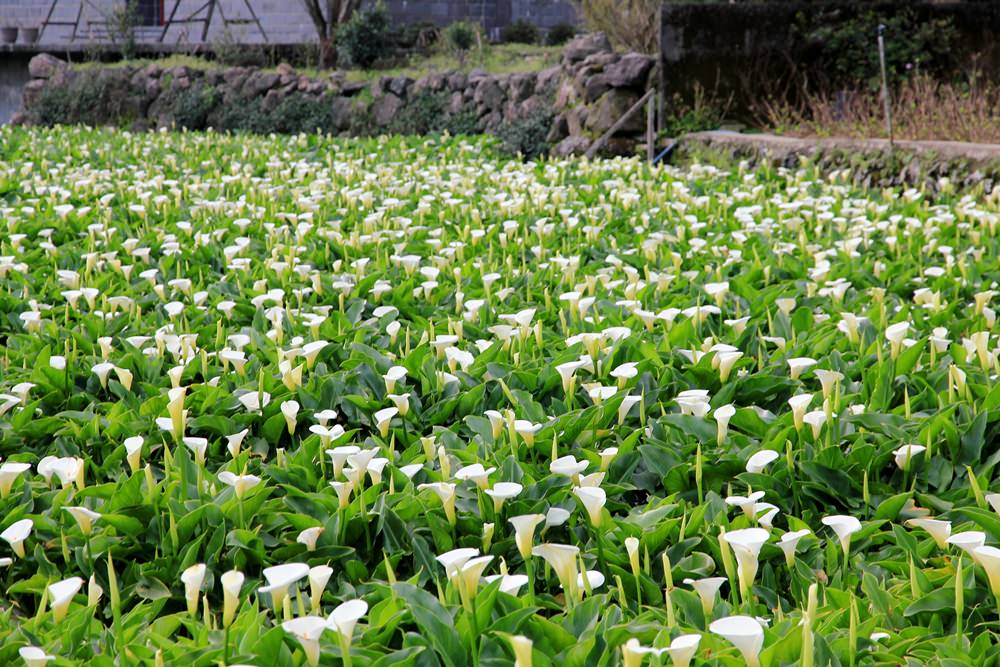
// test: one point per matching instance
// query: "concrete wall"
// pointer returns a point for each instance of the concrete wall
(13, 76)
(727, 46)
(284, 21)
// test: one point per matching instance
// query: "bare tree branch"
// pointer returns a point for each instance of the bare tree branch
(316, 14)
(327, 16)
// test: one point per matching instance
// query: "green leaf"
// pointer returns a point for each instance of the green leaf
(435, 623)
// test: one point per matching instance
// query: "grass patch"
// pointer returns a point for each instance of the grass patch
(494, 59)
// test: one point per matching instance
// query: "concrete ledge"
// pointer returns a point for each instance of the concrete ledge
(780, 147)
(932, 166)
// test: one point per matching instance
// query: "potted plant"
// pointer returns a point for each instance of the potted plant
(29, 35)
(8, 34)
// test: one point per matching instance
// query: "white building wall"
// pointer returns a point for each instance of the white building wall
(284, 21)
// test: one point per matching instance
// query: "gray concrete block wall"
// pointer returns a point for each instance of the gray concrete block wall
(284, 21)
(544, 13)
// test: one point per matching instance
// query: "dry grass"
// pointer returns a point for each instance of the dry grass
(922, 109)
(492, 58)
(629, 24)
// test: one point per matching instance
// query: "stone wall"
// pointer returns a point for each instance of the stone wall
(582, 97)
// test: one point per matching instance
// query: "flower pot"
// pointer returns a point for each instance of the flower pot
(29, 35)
(8, 35)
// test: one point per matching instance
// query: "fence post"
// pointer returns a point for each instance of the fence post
(650, 127)
(885, 83)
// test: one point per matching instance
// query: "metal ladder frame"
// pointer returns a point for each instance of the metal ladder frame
(206, 21)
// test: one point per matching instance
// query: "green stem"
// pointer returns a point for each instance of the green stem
(475, 629)
(529, 567)
(364, 517)
(345, 650)
(406, 433)
(600, 551)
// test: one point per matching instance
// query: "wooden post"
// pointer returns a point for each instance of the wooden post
(650, 128)
(885, 84)
(662, 60)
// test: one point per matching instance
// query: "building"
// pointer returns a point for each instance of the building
(74, 23)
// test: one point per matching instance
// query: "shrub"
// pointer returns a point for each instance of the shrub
(365, 38)
(420, 115)
(191, 108)
(526, 136)
(521, 31)
(427, 113)
(244, 116)
(417, 36)
(122, 23)
(101, 97)
(560, 33)
(461, 36)
(463, 122)
(303, 113)
(229, 50)
(704, 111)
(848, 52)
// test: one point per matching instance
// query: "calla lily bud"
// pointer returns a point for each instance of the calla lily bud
(9, 472)
(309, 536)
(175, 408)
(61, 595)
(193, 577)
(743, 632)
(722, 416)
(319, 576)
(232, 583)
(707, 590)
(133, 452)
(307, 630)
(34, 656)
(939, 530)
(16, 533)
(524, 530)
(446, 492)
(522, 650)
(290, 411)
(593, 499)
(844, 527)
(562, 558)
(632, 549)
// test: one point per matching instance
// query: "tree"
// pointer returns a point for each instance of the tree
(327, 16)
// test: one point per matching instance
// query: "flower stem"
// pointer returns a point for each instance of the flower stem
(345, 650)
(529, 567)
(475, 629)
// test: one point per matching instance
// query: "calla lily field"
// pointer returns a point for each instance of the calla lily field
(403, 401)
